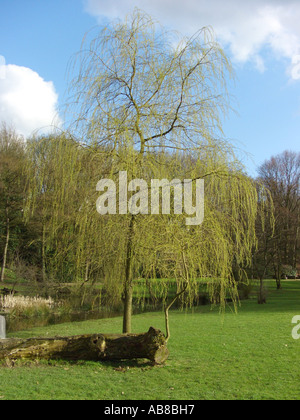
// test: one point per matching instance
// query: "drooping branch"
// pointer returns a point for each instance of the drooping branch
(168, 334)
(186, 284)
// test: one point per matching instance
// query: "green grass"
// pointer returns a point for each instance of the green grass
(251, 355)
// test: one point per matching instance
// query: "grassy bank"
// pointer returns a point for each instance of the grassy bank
(251, 355)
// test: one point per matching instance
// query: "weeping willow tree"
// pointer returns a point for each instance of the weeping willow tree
(155, 102)
(52, 161)
(60, 197)
(151, 103)
(164, 243)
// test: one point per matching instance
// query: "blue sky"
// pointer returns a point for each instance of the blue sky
(262, 38)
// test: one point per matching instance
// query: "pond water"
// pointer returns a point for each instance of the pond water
(14, 324)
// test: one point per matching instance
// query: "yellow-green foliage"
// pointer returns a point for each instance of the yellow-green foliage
(152, 104)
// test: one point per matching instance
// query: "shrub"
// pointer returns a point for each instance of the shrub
(245, 290)
(289, 272)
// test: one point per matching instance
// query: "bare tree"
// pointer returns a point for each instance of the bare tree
(281, 175)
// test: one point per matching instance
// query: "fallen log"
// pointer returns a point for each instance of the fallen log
(94, 347)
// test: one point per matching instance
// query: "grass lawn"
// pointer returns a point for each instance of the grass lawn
(251, 355)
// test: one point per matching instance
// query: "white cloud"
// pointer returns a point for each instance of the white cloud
(247, 27)
(27, 102)
(2, 67)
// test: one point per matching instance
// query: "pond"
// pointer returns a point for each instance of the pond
(14, 324)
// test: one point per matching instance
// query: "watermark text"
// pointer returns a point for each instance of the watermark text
(137, 197)
(296, 329)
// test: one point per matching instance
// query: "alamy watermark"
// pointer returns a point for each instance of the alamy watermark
(152, 199)
(296, 329)
(2, 68)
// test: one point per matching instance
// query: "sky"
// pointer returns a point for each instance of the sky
(38, 38)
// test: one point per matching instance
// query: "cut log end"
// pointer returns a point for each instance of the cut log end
(96, 347)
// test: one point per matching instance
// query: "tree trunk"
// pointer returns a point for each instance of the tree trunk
(278, 271)
(5, 248)
(128, 294)
(43, 247)
(95, 347)
(128, 286)
(262, 298)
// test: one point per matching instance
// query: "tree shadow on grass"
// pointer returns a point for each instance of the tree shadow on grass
(117, 365)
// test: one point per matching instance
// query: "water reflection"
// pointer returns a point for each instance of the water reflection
(14, 324)
(20, 324)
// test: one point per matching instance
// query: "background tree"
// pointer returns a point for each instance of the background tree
(12, 190)
(60, 204)
(262, 258)
(52, 199)
(281, 175)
